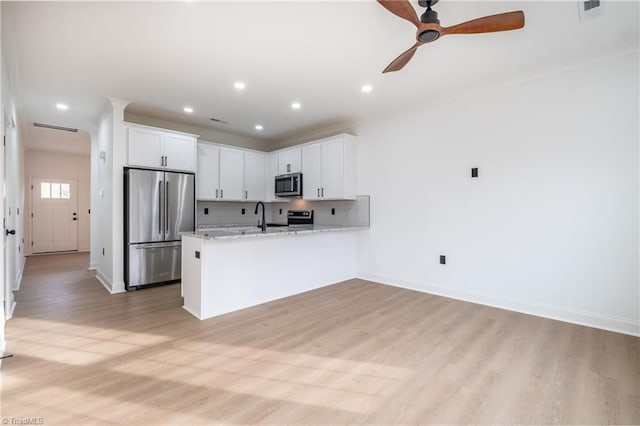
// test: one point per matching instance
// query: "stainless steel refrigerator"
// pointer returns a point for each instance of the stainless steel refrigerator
(158, 206)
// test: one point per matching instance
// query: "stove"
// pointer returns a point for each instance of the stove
(300, 217)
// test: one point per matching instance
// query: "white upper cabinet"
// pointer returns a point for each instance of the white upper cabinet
(329, 169)
(158, 148)
(145, 147)
(290, 161)
(231, 174)
(179, 152)
(254, 174)
(207, 176)
(311, 171)
(271, 171)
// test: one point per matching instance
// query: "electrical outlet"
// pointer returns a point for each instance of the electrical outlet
(474, 172)
(443, 260)
(206, 210)
(243, 211)
(333, 211)
(280, 211)
(197, 254)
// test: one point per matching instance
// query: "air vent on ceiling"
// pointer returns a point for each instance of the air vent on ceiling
(590, 9)
(217, 120)
(51, 126)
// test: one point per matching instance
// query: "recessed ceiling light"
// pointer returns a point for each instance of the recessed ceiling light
(296, 105)
(259, 127)
(367, 88)
(188, 110)
(239, 85)
(63, 107)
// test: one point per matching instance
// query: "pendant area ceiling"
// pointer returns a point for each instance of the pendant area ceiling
(169, 55)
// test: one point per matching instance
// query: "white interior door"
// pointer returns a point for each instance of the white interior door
(54, 215)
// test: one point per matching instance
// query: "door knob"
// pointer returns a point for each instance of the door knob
(10, 232)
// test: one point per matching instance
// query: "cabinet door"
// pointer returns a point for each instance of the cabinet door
(144, 147)
(180, 152)
(231, 174)
(207, 174)
(254, 176)
(289, 161)
(333, 169)
(312, 172)
(271, 171)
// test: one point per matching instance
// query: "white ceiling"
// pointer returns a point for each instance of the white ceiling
(164, 56)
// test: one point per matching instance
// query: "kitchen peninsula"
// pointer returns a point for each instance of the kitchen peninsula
(228, 269)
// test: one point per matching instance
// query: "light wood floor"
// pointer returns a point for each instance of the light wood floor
(352, 353)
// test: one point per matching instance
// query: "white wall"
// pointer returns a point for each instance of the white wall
(108, 197)
(62, 166)
(13, 212)
(550, 226)
(101, 213)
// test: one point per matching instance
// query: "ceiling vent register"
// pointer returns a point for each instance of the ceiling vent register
(51, 126)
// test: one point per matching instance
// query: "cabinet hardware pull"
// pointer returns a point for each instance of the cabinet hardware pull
(166, 218)
(318, 192)
(322, 192)
(216, 193)
(159, 208)
(246, 195)
(222, 193)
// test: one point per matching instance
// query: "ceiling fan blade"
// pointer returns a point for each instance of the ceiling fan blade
(403, 59)
(401, 8)
(488, 24)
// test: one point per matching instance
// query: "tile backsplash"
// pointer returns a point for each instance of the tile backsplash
(340, 212)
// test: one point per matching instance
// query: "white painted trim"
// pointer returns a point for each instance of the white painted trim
(191, 311)
(3, 346)
(102, 278)
(573, 316)
(20, 274)
(11, 310)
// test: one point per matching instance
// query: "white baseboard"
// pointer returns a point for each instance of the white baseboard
(574, 316)
(102, 278)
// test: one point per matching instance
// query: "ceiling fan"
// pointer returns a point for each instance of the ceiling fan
(429, 28)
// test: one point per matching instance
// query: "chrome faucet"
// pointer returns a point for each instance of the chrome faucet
(262, 225)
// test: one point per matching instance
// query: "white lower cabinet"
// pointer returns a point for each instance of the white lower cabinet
(329, 169)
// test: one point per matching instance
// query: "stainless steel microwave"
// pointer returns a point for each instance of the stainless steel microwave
(289, 185)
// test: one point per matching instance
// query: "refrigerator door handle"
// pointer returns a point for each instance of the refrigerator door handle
(159, 208)
(167, 197)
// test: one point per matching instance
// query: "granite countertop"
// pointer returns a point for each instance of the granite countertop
(249, 231)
